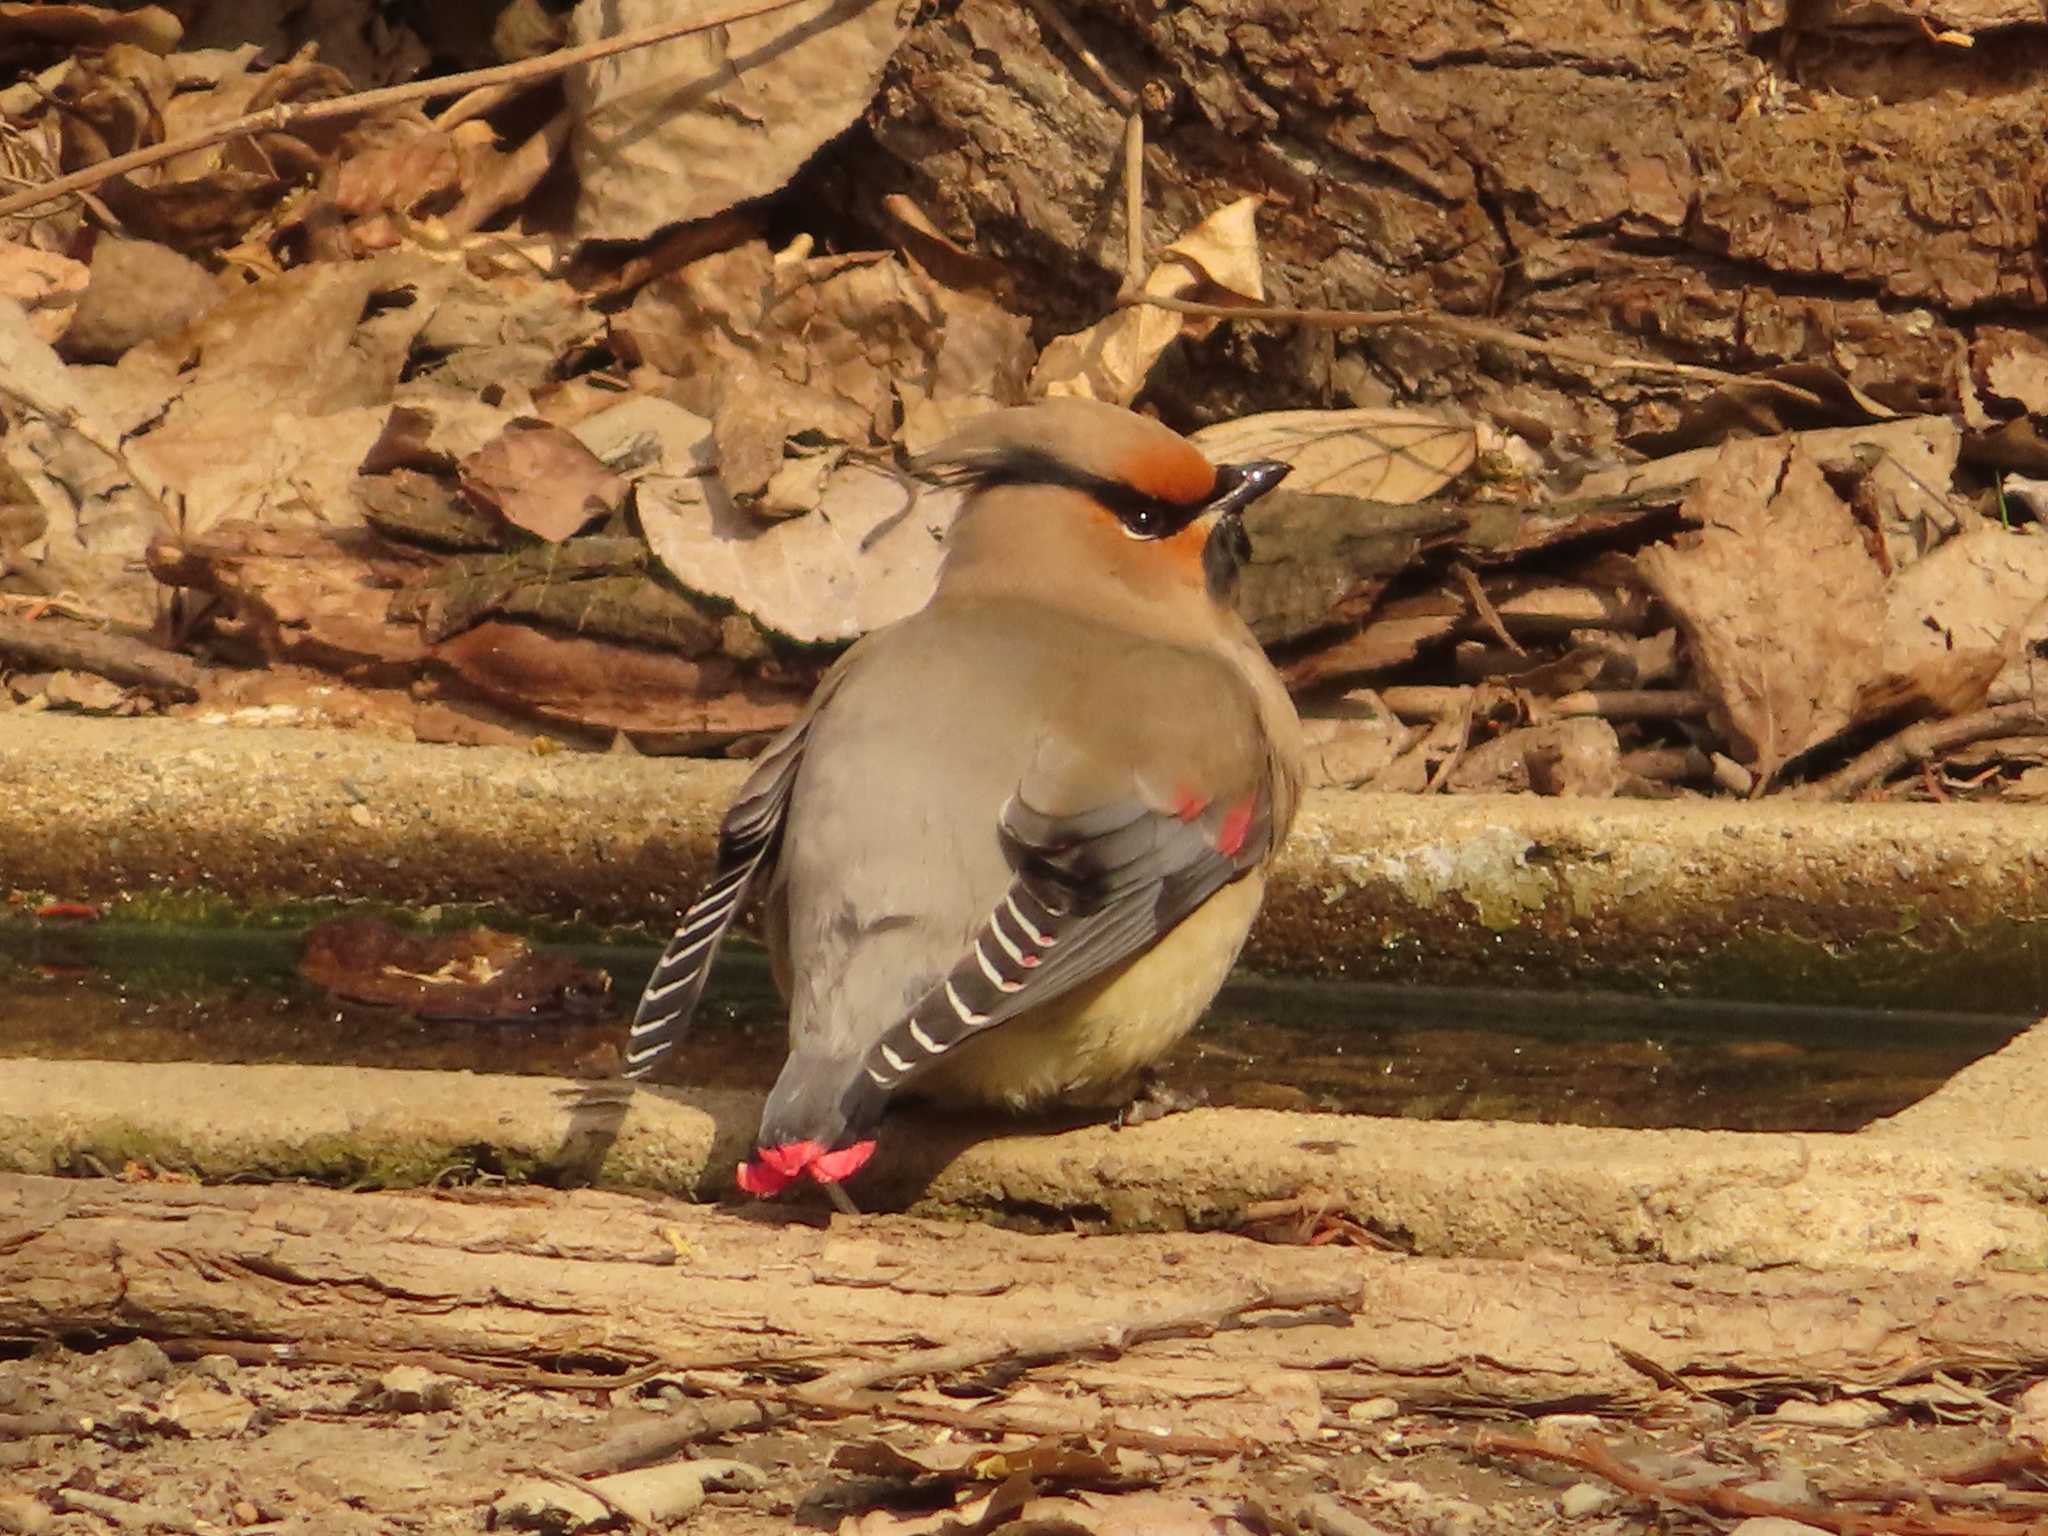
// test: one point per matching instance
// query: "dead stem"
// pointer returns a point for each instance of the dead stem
(1920, 743)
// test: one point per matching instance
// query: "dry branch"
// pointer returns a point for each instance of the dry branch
(1059, 1343)
(356, 104)
(84, 648)
(1922, 743)
(527, 1276)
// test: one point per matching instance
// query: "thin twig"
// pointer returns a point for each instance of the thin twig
(1472, 330)
(1058, 1342)
(1127, 101)
(1113, 88)
(1483, 606)
(683, 1425)
(1134, 201)
(985, 1421)
(1734, 1503)
(1449, 765)
(1919, 743)
(279, 118)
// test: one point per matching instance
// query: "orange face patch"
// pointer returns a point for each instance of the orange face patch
(1170, 469)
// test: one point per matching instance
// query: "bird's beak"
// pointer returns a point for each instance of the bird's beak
(1239, 485)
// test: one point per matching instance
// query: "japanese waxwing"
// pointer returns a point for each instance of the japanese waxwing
(1013, 846)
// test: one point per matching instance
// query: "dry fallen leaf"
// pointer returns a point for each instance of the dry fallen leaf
(61, 442)
(838, 349)
(867, 556)
(1778, 598)
(1959, 627)
(1381, 455)
(46, 285)
(688, 128)
(1112, 359)
(2012, 365)
(93, 26)
(538, 477)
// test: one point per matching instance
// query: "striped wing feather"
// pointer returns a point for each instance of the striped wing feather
(1092, 890)
(747, 842)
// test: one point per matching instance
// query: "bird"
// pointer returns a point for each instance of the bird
(1013, 845)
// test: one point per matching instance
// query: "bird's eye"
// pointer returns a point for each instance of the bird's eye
(1146, 519)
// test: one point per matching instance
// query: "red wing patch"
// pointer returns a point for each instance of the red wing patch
(1237, 824)
(1187, 805)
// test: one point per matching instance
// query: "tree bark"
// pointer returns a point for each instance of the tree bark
(1833, 189)
(547, 1281)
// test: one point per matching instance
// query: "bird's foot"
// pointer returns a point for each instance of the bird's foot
(1155, 1101)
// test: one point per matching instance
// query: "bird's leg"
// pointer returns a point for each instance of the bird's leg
(839, 1197)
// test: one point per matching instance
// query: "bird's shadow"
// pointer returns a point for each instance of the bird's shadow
(917, 1143)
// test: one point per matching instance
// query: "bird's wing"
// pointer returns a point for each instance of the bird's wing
(1094, 886)
(747, 842)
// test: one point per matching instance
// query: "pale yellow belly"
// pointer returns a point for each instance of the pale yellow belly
(1087, 1047)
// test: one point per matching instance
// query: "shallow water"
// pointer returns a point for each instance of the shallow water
(163, 993)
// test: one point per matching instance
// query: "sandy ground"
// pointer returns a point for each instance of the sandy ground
(220, 1439)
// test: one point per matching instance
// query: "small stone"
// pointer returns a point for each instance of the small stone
(1582, 1499)
(408, 1389)
(2030, 1414)
(21, 1515)
(1372, 1410)
(1845, 1413)
(217, 1367)
(1776, 1525)
(203, 1409)
(135, 1362)
(1563, 1428)
(1787, 1487)
(246, 1513)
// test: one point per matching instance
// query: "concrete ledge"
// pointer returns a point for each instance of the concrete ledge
(1942, 906)
(1945, 1184)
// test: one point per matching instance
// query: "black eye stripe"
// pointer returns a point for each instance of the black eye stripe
(1149, 517)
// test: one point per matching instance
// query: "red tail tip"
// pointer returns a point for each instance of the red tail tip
(773, 1168)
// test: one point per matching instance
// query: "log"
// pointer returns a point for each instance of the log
(1927, 1190)
(604, 1282)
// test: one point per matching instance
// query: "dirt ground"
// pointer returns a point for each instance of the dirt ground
(214, 1358)
(212, 1443)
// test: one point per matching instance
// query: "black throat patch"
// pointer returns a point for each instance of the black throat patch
(1225, 554)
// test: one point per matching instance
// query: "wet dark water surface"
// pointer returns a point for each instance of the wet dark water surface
(163, 993)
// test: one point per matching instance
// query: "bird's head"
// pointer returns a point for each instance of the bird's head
(1143, 499)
